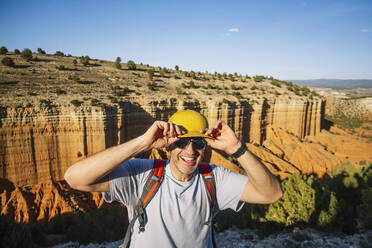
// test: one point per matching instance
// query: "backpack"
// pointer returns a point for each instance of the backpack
(152, 186)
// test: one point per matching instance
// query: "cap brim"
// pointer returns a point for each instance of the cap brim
(194, 134)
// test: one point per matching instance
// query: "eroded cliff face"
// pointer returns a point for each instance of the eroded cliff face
(39, 144)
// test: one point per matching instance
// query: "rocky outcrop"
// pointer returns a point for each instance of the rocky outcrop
(44, 201)
(38, 144)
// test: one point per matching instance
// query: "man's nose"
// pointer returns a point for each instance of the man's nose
(190, 147)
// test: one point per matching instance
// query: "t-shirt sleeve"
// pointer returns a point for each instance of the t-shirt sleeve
(127, 180)
(229, 188)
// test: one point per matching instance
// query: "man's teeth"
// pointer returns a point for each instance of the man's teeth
(188, 159)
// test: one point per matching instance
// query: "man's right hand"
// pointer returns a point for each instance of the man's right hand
(161, 134)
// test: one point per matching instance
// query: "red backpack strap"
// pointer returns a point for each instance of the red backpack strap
(210, 184)
(153, 182)
(152, 185)
(209, 181)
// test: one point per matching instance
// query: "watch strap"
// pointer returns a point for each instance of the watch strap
(242, 149)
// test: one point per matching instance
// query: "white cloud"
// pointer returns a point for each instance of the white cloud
(366, 30)
(233, 30)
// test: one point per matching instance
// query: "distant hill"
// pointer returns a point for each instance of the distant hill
(336, 83)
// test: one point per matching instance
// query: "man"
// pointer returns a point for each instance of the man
(177, 214)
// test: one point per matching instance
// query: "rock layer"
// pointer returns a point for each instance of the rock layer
(38, 144)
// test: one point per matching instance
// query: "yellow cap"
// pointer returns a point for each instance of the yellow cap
(191, 122)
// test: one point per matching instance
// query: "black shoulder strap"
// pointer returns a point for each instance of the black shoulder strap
(152, 185)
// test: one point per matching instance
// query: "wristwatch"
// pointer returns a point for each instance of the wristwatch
(242, 149)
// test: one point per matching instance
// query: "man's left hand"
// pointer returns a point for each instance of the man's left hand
(224, 138)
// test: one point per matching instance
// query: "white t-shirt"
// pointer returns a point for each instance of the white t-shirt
(178, 211)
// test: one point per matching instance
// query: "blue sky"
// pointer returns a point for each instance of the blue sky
(284, 39)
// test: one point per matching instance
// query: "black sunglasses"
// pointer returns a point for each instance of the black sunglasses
(198, 144)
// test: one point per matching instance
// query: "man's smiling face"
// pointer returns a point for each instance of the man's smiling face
(185, 160)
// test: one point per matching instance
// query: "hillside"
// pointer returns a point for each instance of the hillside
(56, 80)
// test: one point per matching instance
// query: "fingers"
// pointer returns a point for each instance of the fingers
(169, 129)
(215, 131)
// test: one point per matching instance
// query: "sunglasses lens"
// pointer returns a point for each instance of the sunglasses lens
(198, 144)
(182, 143)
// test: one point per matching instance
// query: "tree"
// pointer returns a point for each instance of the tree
(84, 60)
(162, 73)
(74, 62)
(176, 67)
(192, 74)
(26, 54)
(117, 63)
(40, 51)
(131, 65)
(150, 73)
(7, 61)
(59, 53)
(3, 50)
(16, 51)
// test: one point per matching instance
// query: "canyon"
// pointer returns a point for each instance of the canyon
(40, 139)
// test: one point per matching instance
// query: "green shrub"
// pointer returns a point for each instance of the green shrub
(297, 204)
(59, 53)
(121, 91)
(305, 91)
(76, 103)
(192, 85)
(74, 62)
(276, 83)
(150, 73)
(85, 60)
(131, 65)
(13, 234)
(177, 68)
(44, 102)
(117, 63)
(61, 68)
(258, 78)
(329, 204)
(60, 92)
(113, 99)
(40, 51)
(103, 224)
(26, 54)
(74, 78)
(8, 62)
(364, 210)
(162, 73)
(16, 51)
(3, 50)
(192, 74)
(151, 86)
